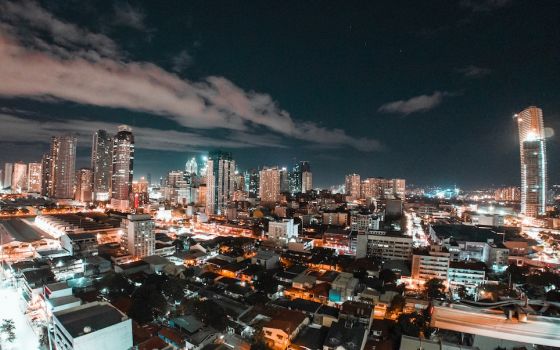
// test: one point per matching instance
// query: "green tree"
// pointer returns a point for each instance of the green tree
(147, 302)
(114, 285)
(463, 293)
(387, 276)
(434, 288)
(8, 330)
(397, 304)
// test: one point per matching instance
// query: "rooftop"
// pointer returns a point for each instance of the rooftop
(96, 316)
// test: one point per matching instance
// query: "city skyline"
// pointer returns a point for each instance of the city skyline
(403, 114)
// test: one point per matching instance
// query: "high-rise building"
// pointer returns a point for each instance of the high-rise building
(284, 180)
(252, 183)
(269, 186)
(532, 151)
(34, 177)
(138, 235)
(19, 177)
(8, 170)
(84, 185)
(220, 181)
(123, 162)
(46, 177)
(102, 165)
(352, 185)
(174, 177)
(63, 166)
(191, 167)
(300, 171)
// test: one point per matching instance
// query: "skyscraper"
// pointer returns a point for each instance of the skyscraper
(34, 177)
(284, 180)
(123, 161)
(252, 183)
(46, 178)
(352, 185)
(301, 171)
(191, 167)
(102, 165)
(269, 186)
(63, 166)
(84, 185)
(8, 170)
(532, 152)
(19, 177)
(220, 181)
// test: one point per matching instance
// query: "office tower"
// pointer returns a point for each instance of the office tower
(399, 188)
(8, 170)
(34, 177)
(284, 180)
(123, 162)
(84, 185)
(46, 178)
(252, 183)
(102, 165)
(306, 181)
(138, 235)
(269, 186)
(532, 151)
(63, 165)
(19, 177)
(191, 167)
(352, 185)
(239, 181)
(300, 171)
(220, 178)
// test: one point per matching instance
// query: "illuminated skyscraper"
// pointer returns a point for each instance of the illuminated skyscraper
(34, 177)
(220, 181)
(123, 162)
(284, 180)
(138, 236)
(19, 177)
(269, 186)
(252, 183)
(352, 185)
(102, 165)
(191, 167)
(84, 185)
(532, 151)
(301, 172)
(62, 166)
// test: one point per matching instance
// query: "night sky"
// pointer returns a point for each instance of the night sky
(382, 88)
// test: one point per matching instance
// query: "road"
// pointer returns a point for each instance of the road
(537, 330)
(25, 336)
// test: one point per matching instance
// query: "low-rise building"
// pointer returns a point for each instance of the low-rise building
(92, 326)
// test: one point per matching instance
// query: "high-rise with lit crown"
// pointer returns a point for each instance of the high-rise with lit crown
(63, 166)
(123, 161)
(19, 177)
(532, 152)
(102, 165)
(220, 181)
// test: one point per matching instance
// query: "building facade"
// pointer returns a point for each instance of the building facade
(123, 165)
(532, 152)
(34, 177)
(138, 235)
(269, 185)
(63, 166)
(84, 185)
(220, 182)
(102, 165)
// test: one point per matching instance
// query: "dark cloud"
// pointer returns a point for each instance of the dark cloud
(415, 104)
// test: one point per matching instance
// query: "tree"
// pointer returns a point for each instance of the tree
(8, 330)
(463, 293)
(44, 337)
(517, 273)
(114, 285)
(397, 303)
(147, 302)
(434, 288)
(387, 276)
